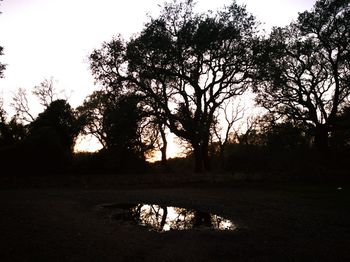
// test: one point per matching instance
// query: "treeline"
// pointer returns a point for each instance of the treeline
(183, 74)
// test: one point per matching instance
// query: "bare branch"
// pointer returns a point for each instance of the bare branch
(21, 106)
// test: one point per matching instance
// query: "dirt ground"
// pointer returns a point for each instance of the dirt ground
(275, 221)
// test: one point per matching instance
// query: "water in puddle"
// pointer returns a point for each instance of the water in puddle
(164, 218)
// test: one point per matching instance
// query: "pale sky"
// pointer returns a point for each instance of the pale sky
(53, 38)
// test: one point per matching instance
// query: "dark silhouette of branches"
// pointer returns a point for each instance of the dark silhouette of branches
(119, 122)
(21, 106)
(187, 63)
(304, 72)
(2, 66)
(45, 92)
(232, 114)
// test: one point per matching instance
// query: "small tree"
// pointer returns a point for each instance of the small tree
(60, 117)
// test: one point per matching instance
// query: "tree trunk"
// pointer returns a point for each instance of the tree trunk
(164, 157)
(198, 161)
(222, 156)
(205, 156)
(164, 147)
(165, 214)
(201, 156)
(321, 137)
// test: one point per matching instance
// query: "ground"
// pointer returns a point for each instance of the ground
(58, 219)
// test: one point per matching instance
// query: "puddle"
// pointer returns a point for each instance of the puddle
(164, 218)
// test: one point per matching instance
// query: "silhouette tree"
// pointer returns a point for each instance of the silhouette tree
(60, 117)
(92, 111)
(304, 69)
(122, 126)
(45, 92)
(188, 64)
(281, 136)
(117, 121)
(10, 132)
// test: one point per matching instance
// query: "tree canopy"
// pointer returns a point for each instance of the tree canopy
(59, 117)
(304, 70)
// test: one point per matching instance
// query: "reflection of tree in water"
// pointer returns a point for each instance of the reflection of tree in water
(163, 218)
(152, 215)
(182, 220)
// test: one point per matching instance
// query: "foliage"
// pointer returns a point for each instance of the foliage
(60, 117)
(93, 111)
(2, 66)
(118, 121)
(122, 122)
(10, 132)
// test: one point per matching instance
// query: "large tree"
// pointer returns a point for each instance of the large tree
(188, 64)
(304, 68)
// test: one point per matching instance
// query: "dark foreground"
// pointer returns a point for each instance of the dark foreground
(276, 222)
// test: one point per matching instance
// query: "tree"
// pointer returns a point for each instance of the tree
(60, 117)
(118, 121)
(92, 112)
(280, 136)
(304, 69)
(11, 131)
(188, 64)
(123, 122)
(45, 92)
